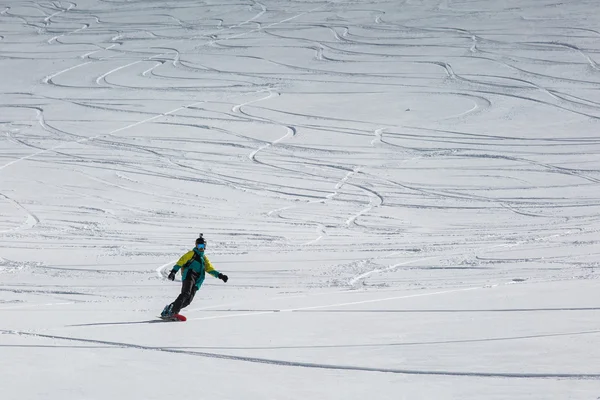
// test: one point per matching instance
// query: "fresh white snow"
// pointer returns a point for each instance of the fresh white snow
(404, 194)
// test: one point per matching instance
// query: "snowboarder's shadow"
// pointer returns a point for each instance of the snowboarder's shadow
(151, 321)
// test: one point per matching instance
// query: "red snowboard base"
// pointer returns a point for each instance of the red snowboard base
(175, 317)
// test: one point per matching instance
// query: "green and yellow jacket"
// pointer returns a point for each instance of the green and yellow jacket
(195, 260)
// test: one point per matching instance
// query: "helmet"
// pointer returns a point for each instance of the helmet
(201, 241)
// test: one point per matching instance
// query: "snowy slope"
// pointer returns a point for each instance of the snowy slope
(404, 194)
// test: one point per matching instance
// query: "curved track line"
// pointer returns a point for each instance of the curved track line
(284, 363)
(31, 221)
(48, 79)
(160, 271)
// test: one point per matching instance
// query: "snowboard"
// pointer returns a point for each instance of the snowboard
(174, 317)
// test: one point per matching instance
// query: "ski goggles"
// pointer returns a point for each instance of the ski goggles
(201, 246)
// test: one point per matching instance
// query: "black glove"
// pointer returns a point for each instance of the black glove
(223, 277)
(172, 275)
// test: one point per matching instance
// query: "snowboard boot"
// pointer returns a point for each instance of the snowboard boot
(167, 311)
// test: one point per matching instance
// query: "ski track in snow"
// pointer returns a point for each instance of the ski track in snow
(284, 363)
(29, 223)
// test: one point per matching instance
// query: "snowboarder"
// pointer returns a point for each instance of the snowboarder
(194, 265)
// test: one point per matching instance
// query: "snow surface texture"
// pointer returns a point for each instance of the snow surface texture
(404, 194)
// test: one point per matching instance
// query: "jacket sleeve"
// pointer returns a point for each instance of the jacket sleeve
(183, 260)
(208, 267)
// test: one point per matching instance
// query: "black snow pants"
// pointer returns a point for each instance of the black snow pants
(188, 291)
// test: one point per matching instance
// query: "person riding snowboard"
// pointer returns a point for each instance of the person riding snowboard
(194, 265)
